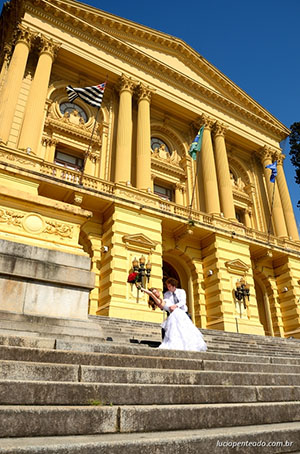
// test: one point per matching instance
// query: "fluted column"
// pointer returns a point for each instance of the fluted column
(223, 174)
(12, 85)
(143, 146)
(210, 183)
(124, 132)
(34, 114)
(266, 156)
(286, 200)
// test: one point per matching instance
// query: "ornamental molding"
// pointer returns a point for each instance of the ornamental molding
(167, 167)
(80, 131)
(35, 224)
(74, 19)
(139, 240)
(18, 159)
(237, 265)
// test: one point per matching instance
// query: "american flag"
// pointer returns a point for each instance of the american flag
(91, 95)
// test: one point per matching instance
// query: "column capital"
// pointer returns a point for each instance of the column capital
(280, 158)
(265, 153)
(219, 129)
(144, 92)
(24, 35)
(126, 84)
(49, 141)
(207, 121)
(180, 187)
(48, 46)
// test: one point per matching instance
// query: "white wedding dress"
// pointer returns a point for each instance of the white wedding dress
(181, 333)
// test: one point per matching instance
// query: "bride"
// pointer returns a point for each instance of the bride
(180, 332)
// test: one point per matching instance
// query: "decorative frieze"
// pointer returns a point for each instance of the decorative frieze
(35, 224)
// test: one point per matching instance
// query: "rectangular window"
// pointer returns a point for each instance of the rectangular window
(240, 216)
(67, 160)
(165, 192)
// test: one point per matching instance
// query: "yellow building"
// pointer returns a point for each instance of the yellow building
(139, 193)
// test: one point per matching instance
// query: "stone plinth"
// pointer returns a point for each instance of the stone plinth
(38, 281)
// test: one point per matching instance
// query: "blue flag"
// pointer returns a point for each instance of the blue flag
(196, 145)
(273, 167)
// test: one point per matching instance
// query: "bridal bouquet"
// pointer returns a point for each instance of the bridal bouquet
(133, 278)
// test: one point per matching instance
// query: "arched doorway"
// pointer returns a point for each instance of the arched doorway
(169, 271)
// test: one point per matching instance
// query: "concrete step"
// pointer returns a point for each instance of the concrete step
(87, 420)
(126, 356)
(267, 438)
(24, 392)
(22, 370)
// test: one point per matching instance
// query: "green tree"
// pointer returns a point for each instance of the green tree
(295, 150)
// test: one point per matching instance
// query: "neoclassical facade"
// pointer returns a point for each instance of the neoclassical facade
(118, 187)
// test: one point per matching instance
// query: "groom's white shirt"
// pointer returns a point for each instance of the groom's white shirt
(169, 299)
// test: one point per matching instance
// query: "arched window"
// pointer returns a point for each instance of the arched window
(68, 107)
(157, 143)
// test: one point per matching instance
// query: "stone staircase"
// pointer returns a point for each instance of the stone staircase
(65, 389)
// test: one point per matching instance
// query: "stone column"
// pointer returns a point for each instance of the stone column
(266, 156)
(34, 114)
(124, 132)
(143, 146)
(223, 174)
(14, 77)
(210, 183)
(286, 200)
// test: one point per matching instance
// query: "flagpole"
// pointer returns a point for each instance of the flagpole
(271, 212)
(194, 186)
(86, 154)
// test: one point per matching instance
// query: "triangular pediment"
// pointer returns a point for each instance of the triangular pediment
(140, 240)
(237, 265)
(156, 52)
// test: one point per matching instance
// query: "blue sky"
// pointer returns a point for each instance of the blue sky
(255, 44)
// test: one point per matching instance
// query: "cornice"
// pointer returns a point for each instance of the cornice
(68, 15)
(167, 167)
(75, 130)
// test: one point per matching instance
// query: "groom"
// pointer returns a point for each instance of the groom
(175, 295)
(175, 298)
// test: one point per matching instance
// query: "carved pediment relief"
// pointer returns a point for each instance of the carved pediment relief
(71, 123)
(237, 266)
(164, 155)
(139, 241)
